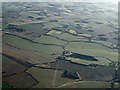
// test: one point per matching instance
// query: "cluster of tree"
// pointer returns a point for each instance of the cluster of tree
(53, 20)
(99, 23)
(42, 13)
(61, 58)
(90, 30)
(30, 17)
(19, 30)
(65, 26)
(14, 27)
(103, 38)
(11, 26)
(40, 18)
(101, 35)
(55, 5)
(84, 57)
(71, 75)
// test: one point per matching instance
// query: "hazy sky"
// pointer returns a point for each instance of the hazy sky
(112, 1)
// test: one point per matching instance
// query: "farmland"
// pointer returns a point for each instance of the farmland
(59, 45)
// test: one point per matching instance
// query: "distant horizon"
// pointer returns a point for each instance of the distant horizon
(93, 1)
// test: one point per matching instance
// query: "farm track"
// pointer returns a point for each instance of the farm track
(31, 65)
(69, 83)
(55, 74)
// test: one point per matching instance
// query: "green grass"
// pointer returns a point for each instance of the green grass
(5, 86)
(104, 42)
(54, 33)
(92, 49)
(101, 61)
(46, 77)
(116, 85)
(28, 45)
(50, 40)
(30, 27)
(70, 37)
(89, 84)
(52, 24)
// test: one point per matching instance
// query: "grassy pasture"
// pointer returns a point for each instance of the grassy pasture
(92, 49)
(52, 24)
(46, 77)
(29, 45)
(70, 37)
(116, 85)
(26, 55)
(84, 35)
(103, 42)
(89, 84)
(102, 61)
(50, 40)
(30, 27)
(72, 31)
(54, 33)
(32, 30)
(86, 72)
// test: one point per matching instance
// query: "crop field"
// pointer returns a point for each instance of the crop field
(102, 61)
(59, 45)
(25, 55)
(23, 77)
(28, 45)
(9, 69)
(46, 77)
(89, 84)
(86, 72)
(70, 37)
(50, 40)
(92, 49)
(6, 61)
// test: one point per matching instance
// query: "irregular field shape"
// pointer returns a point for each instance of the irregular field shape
(28, 45)
(89, 84)
(50, 40)
(21, 80)
(26, 55)
(101, 61)
(46, 77)
(71, 37)
(92, 49)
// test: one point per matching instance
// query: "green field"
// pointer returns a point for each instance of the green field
(102, 61)
(59, 44)
(46, 77)
(104, 42)
(70, 37)
(89, 84)
(28, 45)
(50, 40)
(92, 49)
